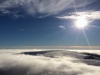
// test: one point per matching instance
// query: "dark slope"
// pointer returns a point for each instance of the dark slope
(88, 58)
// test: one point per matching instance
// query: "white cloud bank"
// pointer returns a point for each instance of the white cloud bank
(39, 65)
(41, 6)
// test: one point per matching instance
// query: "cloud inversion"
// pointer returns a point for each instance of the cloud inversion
(40, 65)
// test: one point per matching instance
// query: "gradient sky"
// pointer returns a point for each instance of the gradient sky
(48, 22)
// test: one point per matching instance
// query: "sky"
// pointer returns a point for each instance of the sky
(49, 22)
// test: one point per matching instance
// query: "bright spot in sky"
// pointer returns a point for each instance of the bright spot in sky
(81, 23)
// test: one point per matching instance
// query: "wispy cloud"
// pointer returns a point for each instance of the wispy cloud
(46, 7)
(63, 27)
(21, 29)
(89, 15)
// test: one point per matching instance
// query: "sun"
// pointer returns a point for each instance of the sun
(81, 23)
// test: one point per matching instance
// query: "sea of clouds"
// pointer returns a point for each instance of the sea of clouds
(14, 63)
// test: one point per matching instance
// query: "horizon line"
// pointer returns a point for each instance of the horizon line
(49, 47)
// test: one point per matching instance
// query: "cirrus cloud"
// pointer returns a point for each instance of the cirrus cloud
(46, 7)
(62, 27)
(89, 15)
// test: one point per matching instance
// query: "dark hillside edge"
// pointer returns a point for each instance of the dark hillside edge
(92, 56)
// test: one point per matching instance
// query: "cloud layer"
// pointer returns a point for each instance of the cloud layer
(90, 16)
(39, 65)
(47, 7)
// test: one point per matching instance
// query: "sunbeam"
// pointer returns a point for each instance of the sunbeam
(76, 42)
(87, 39)
(75, 6)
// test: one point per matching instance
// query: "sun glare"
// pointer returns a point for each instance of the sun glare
(81, 23)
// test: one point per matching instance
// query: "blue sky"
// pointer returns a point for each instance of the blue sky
(48, 22)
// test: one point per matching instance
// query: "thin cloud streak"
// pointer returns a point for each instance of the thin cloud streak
(89, 15)
(47, 7)
(62, 27)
